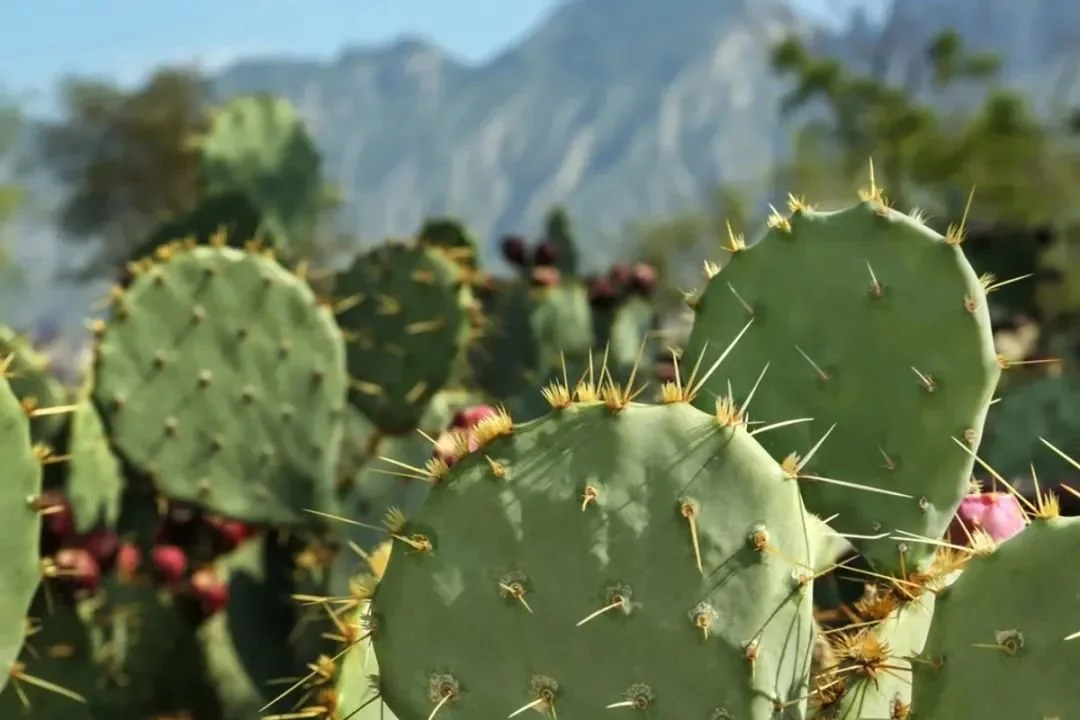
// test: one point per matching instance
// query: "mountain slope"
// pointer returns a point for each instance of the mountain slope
(617, 108)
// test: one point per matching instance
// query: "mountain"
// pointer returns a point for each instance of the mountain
(618, 108)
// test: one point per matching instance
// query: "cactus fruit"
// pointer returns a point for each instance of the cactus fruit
(566, 544)
(1003, 642)
(258, 144)
(20, 571)
(220, 376)
(406, 314)
(876, 330)
(998, 514)
(513, 249)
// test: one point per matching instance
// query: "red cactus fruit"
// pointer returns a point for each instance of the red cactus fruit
(513, 249)
(128, 561)
(642, 280)
(77, 568)
(227, 534)
(57, 520)
(471, 416)
(170, 562)
(210, 591)
(997, 514)
(103, 545)
(545, 276)
(544, 255)
(601, 293)
(619, 274)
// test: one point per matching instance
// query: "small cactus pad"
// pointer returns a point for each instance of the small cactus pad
(872, 670)
(545, 562)
(875, 326)
(93, 480)
(21, 523)
(405, 314)
(1005, 638)
(221, 377)
(258, 144)
(30, 380)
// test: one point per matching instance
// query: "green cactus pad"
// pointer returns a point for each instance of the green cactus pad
(28, 375)
(405, 314)
(888, 692)
(536, 533)
(562, 323)
(258, 144)
(357, 685)
(872, 325)
(221, 376)
(453, 238)
(93, 479)
(232, 213)
(998, 642)
(20, 571)
(504, 360)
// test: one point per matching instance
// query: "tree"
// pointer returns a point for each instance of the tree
(124, 158)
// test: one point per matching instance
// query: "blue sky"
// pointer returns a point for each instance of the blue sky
(44, 39)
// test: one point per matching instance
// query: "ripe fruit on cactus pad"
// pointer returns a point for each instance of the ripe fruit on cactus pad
(876, 327)
(221, 376)
(564, 546)
(998, 514)
(1005, 638)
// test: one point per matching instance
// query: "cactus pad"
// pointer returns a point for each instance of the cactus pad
(20, 572)
(543, 563)
(999, 642)
(30, 380)
(873, 325)
(93, 479)
(258, 144)
(405, 314)
(221, 377)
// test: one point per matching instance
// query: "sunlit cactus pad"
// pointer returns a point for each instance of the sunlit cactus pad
(405, 313)
(20, 524)
(876, 326)
(1005, 638)
(555, 568)
(220, 375)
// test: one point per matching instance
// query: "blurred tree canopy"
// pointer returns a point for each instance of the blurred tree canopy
(123, 158)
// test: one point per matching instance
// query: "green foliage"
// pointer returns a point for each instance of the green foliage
(508, 602)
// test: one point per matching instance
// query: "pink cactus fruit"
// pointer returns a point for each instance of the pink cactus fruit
(998, 514)
(78, 569)
(170, 562)
(128, 561)
(211, 592)
(448, 444)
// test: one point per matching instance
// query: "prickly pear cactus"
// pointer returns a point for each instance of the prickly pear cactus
(405, 312)
(258, 144)
(231, 213)
(20, 571)
(92, 477)
(221, 377)
(1004, 640)
(876, 329)
(560, 548)
(29, 378)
